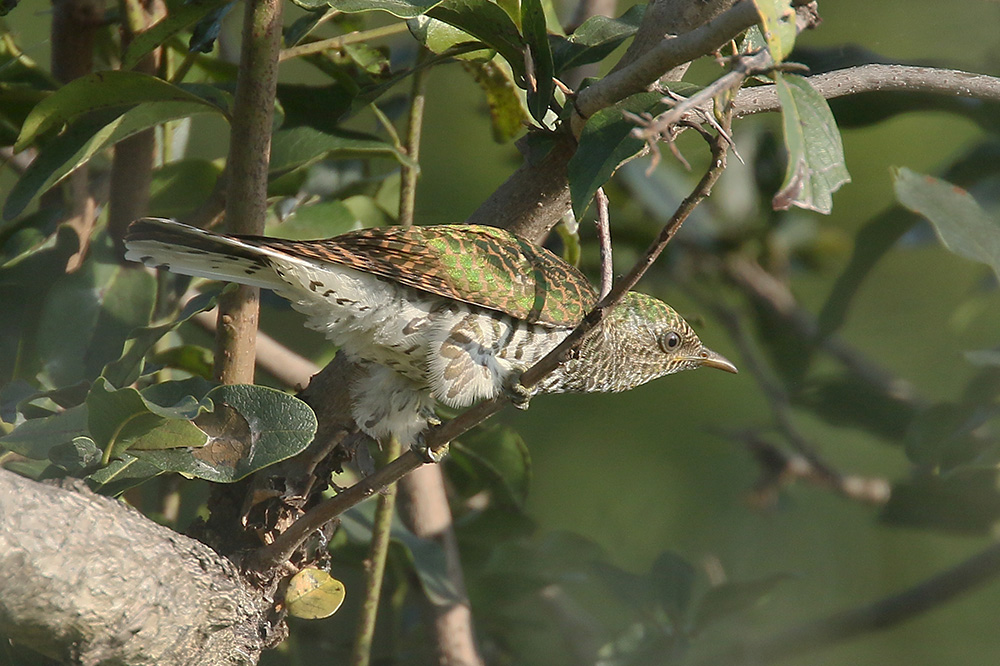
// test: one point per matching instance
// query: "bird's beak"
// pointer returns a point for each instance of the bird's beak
(713, 359)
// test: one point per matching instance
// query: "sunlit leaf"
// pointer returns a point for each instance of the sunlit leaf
(778, 26)
(816, 166)
(401, 8)
(488, 23)
(313, 594)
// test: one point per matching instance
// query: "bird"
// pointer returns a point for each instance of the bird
(449, 314)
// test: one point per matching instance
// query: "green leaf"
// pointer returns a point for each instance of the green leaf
(816, 167)
(536, 38)
(595, 39)
(35, 438)
(507, 113)
(66, 152)
(426, 556)
(966, 502)
(322, 219)
(89, 314)
(733, 597)
(123, 419)
(488, 23)
(853, 402)
(250, 428)
(180, 187)
(121, 475)
(110, 89)
(126, 369)
(399, 8)
(606, 142)
(494, 458)
(439, 37)
(959, 222)
(943, 436)
(301, 146)
(181, 16)
(778, 25)
(672, 581)
(75, 456)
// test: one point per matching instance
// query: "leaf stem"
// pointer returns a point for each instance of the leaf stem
(356, 37)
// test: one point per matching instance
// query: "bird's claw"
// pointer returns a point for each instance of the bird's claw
(426, 453)
(518, 394)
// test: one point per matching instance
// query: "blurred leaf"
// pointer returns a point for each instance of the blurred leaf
(180, 17)
(193, 359)
(207, 29)
(180, 187)
(302, 26)
(496, 459)
(24, 283)
(89, 314)
(778, 26)
(313, 594)
(730, 598)
(35, 438)
(301, 146)
(964, 502)
(322, 219)
(121, 475)
(605, 143)
(426, 556)
(127, 368)
(507, 114)
(849, 401)
(633, 589)
(595, 39)
(108, 89)
(250, 428)
(488, 23)
(536, 38)
(66, 152)
(984, 358)
(671, 579)
(872, 242)
(23, 84)
(816, 167)
(944, 435)
(960, 223)
(320, 107)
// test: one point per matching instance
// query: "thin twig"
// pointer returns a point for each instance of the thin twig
(408, 184)
(604, 236)
(375, 565)
(437, 438)
(340, 42)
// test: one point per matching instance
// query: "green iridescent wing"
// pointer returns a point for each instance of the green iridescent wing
(481, 265)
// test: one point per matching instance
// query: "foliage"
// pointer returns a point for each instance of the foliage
(104, 377)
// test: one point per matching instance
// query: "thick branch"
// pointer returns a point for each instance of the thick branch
(86, 579)
(246, 170)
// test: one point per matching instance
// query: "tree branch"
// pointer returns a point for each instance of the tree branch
(86, 579)
(246, 170)
(878, 78)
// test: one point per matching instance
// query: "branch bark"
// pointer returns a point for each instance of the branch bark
(88, 580)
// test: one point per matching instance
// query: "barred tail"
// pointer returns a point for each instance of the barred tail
(191, 251)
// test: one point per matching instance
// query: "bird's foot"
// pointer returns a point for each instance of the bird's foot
(426, 453)
(518, 394)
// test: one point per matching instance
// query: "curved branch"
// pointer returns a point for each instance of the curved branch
(879, 78)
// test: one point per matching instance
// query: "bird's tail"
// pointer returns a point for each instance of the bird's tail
(191, 251)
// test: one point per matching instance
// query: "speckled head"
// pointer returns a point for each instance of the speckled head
(640, 339)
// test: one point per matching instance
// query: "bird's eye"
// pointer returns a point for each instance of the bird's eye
(670, 341)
